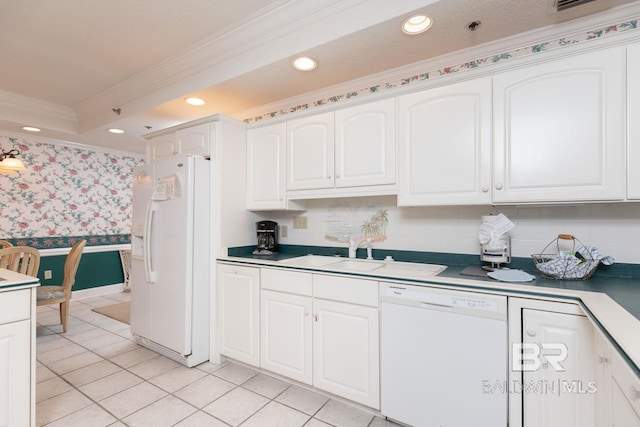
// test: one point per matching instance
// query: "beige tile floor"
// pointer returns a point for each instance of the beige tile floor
(95, 375)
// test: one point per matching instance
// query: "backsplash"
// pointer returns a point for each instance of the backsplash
(613, 228)
(66, 191)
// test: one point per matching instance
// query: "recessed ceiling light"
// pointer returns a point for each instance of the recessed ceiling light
(304, 63)
(416, 24)
(114, 130)
(194, 101)
(30, 129)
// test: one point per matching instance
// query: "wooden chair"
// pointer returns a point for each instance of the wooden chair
(52, 294)
(5, 244)
(23, 259)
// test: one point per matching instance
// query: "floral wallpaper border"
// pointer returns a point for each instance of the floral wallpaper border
(68, 241)
(476, 63)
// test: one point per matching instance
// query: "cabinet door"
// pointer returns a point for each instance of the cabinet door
(618, 396)
(286, 335)
(365, 145)
(633, 98)
(310, 146)
(162, 147)
(558, 383)
(239, 313)
(195, 140)
(266, 167)
(445, 145)
(559, 130)
(15, 374)
(346, 351)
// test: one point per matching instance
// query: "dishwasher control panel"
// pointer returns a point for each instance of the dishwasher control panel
(443, 299)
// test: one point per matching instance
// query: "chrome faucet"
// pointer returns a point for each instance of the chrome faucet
(353, 247)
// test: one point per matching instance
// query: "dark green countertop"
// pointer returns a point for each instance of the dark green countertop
(621, 282)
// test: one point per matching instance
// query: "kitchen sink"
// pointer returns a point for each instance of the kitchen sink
(392, 269)
(311, 260)
(410, 270)
(358, 265)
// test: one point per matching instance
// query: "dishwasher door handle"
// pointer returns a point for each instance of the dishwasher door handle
(426, 304)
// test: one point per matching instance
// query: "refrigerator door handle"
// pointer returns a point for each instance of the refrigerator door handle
(150, 273)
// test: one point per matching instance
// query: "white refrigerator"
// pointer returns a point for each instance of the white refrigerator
(171, 262)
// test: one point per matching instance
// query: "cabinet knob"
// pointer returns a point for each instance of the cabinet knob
(498, 186)
(315, 317)
(603, 359)
(532, 332)
(485, 189)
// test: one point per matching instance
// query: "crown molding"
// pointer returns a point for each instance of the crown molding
(29, 111)
(563, 30)
(287, 28)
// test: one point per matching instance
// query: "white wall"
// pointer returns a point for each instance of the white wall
(613, 228)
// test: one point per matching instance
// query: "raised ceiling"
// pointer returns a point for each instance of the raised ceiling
(66, 64)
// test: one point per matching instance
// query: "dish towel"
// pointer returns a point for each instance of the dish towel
(569, 266)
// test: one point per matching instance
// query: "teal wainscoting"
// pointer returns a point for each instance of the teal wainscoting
(95, 269)
(100, 264)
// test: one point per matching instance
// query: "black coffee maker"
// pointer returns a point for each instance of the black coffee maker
(267, 238)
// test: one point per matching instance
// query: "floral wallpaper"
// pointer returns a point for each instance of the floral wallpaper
(66, 193)
(597, 33)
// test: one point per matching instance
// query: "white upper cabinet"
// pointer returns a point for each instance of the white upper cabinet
(365, 152)
(310, 145)
(266, 186)
(445, 145)
(162, 146)
(353, 148)
(195, 140)
(633, 97)
(559, 130)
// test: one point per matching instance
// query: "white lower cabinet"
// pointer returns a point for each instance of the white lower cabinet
(17, 358)
(331, 342)
(553, 382)
(618, 397)
(239, 313)
(563, 387)
(346, 351)
(286, 335)
(285, 326)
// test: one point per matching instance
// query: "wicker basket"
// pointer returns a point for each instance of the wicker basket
(562, 265)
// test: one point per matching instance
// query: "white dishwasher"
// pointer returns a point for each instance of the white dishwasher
(444, 357)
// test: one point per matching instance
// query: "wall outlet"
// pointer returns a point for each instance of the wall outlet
(300, 222)
(284, 231)
(48, 275)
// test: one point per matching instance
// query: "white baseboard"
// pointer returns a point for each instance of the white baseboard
(97, 291)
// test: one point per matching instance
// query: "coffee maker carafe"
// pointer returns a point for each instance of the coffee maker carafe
(267, 232)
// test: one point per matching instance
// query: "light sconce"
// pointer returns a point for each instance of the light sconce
(9, 164)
